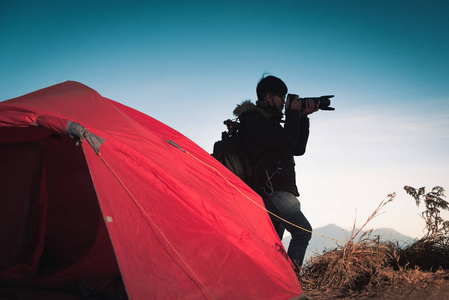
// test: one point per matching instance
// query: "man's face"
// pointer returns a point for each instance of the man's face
(279, 101)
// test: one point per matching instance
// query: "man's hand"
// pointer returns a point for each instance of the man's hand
(295, 104)
(310, 107)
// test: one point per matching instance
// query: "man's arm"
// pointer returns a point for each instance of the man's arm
(300, 147)
(266, 134)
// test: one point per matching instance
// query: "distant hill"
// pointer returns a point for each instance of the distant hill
(318, 243)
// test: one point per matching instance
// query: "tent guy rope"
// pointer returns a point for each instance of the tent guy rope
(246, 196)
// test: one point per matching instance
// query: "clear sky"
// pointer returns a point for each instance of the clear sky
(188, 63)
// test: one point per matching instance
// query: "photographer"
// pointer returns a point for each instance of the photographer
(271, 148)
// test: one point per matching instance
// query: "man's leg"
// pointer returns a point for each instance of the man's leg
(289, 209)
(276, 222)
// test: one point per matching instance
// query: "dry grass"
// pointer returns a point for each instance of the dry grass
(425, 254)
(366, 269)
(369, 268)
(349, 270)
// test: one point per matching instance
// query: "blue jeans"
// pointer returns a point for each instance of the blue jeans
(287, 206)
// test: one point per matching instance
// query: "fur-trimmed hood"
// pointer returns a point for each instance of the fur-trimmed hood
(260, 107)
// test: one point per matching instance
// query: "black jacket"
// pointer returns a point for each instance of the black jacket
(270, 147)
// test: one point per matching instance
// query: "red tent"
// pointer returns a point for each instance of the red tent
(90, 187)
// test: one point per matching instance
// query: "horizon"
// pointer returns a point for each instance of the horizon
(329, 239)
(189, 64)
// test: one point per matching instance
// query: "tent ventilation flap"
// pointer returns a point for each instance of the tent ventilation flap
(79, 132)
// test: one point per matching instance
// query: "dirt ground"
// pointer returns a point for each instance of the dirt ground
(419, 286)
(433, 290)
(427, 286)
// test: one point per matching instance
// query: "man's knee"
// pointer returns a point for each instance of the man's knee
(302, 233)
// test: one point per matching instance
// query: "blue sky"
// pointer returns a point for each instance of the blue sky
(188, 63)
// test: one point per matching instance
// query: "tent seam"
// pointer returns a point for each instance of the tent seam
(158, 229)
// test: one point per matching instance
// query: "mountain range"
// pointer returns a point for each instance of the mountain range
(321, 240)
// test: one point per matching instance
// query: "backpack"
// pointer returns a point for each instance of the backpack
(230, 151)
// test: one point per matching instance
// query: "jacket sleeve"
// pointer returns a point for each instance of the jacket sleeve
(300, 147)
(268, 134)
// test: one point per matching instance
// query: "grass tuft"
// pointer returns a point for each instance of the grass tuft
(366, 267)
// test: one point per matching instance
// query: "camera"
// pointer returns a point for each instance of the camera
(323, 101)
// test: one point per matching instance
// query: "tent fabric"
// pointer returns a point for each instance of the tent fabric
(96, 187)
